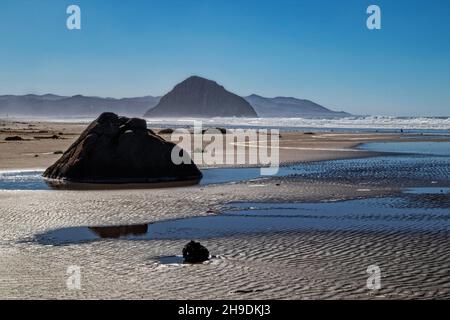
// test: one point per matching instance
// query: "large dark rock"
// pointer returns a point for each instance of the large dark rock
(120, 150)
(194, 252)
(199, 97)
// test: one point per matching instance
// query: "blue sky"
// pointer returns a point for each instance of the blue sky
(319, 50)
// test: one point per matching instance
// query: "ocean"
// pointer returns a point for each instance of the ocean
(433, 125)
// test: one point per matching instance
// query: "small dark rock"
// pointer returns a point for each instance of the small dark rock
(14, 138)
(166, 131)
(54, 137)
(194, 252)
(214, 130)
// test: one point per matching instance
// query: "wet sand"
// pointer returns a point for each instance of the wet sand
(282, 265)
(308, 264)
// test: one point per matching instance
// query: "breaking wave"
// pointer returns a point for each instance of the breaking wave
(369, 122)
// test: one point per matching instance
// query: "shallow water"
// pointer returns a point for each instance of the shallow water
(22, 180)
(424, 148)
(419, 163)
(401, 170)
(429, 190)
(170, 260)
(33, 180)
(376, 214)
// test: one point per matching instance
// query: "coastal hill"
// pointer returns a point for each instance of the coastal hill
(50, 105)
(199, 97)
(291, 107)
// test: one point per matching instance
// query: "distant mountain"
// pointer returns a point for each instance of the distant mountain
(50, 105)
(199, 97)
(194, 97)
(290, 108)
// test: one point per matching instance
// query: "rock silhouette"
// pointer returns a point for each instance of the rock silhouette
(117, 149)
(199, 97)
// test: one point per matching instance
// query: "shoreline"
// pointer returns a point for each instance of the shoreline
(43, 143)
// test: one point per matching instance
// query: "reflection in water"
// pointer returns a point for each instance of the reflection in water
(170, 260)
(66, 185)
(121, 231)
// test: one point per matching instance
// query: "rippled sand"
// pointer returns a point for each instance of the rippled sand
(284, 265)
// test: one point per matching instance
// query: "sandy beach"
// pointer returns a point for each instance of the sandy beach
(43, 141)
(309, 263)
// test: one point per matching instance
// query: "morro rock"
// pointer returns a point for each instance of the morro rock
(117, 149)
(202, 98)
